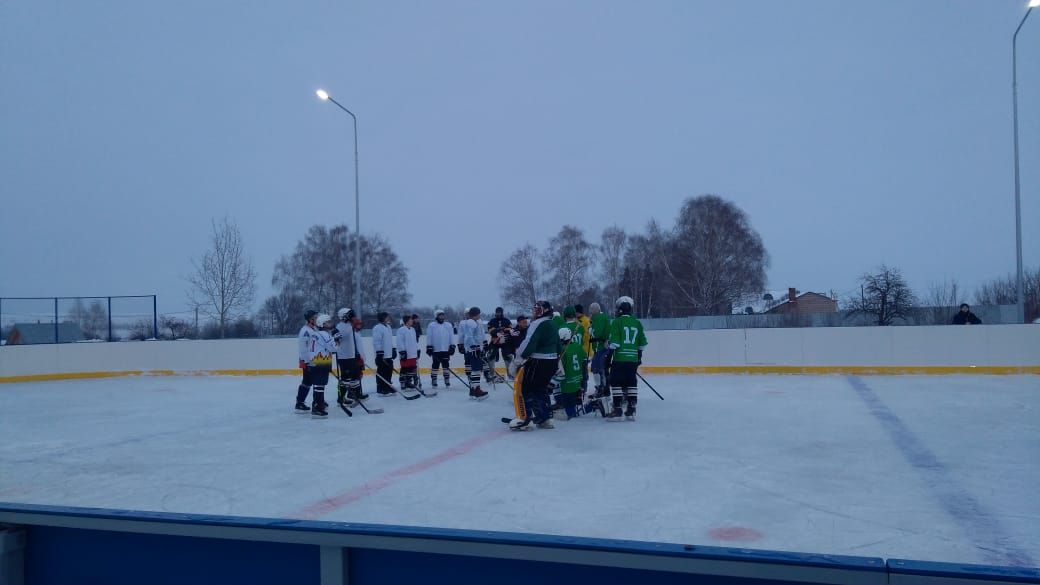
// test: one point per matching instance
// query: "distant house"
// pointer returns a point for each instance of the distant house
(36, 333)
(805, 303)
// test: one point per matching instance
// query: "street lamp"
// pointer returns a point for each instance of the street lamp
(324, 96)
(1020, 292)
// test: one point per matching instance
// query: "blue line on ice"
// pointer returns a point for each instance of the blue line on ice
(967, 511)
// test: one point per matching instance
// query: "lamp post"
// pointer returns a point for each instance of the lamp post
(1020, 292)
(324, 96)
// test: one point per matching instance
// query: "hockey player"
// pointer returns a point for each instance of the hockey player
(408, 345)
(498, 329)
(539, 355)
(471, 340)
(625, 353)
(440, 347)
(316, 353)
(516, 337)
(572, 362)
(308, 334)
(383, 344)
(586, 343)
(599, 331)
(348, 357)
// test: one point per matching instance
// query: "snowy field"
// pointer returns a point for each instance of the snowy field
(925, 467)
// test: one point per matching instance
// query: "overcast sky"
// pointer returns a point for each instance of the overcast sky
(852, 133)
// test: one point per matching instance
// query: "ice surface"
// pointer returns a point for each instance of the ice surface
(927, 467)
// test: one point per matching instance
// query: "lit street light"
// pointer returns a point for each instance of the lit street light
(324, 96)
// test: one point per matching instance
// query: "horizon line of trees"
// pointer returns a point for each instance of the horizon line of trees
(706, 263)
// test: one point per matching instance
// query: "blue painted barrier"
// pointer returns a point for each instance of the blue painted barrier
(63, 545)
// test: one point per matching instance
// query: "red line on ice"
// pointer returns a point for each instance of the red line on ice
(322, 507)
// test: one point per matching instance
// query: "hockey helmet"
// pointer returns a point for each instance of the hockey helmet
(565, 334)
(570, 312)
(322, 320)
(345, 314)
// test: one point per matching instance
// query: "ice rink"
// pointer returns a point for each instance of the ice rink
(925, 467)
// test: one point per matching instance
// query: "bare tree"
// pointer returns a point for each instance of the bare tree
(95, 323)
(519, 278)
(713, 256)
(942, 300)
(281, 314)
(178, 328)
(643, 271)
(611, 251)
(1004, 291)
(566, 261)
(224, 281)
(320, 271)
(885, 297)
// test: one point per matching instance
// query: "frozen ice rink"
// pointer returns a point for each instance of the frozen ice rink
(925, 467)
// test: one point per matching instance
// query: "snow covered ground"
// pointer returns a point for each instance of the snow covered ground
(925, 467)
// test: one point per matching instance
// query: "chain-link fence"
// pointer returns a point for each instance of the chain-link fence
(36, 320)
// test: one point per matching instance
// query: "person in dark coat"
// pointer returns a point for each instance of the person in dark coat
(966, 317)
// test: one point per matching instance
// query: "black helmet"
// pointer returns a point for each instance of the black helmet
(309, 314)
(473, 311)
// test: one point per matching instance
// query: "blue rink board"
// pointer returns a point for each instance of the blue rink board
(114, 546)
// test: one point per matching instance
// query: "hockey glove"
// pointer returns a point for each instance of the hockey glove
(462, 348)
(429, 350)
(379, 357)
(338, 337)
(451, 350)
(393, 356)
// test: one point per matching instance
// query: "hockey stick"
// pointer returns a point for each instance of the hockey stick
(464, 383)
(648, 384)
(360, 403)
(418, 381)
(396, 390)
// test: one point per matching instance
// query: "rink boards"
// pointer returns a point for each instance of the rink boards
(47, 544)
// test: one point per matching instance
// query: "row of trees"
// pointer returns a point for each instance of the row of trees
(886, 298)
(702, 265)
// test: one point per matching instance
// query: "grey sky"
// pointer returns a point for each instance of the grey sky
(853, 133)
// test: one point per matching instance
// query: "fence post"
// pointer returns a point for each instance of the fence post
(109, 318)
(155, 319)
(56, 340)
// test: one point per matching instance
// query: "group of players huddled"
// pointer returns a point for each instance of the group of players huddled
(547, 359)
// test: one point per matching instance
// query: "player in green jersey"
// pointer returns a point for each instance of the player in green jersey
(626, 343)
(571, 362)
(599, 331)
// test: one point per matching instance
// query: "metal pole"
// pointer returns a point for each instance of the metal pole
(1020, 293)
(109, 318)
(56, 340)
(155, 319)
(357, 213)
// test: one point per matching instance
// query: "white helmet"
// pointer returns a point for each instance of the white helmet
(322, 320)
(556, 313)
(344, 313)
(565, 334)
(438, 313)
(617, 303)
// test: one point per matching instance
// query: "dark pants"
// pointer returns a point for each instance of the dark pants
(440, 359)
(474, 366)
(623, 385)
(538, 375)
(385, 371)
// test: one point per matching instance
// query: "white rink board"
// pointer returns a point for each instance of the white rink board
(986, 345)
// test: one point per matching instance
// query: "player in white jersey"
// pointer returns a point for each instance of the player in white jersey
(348, 357)
(440, 347)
